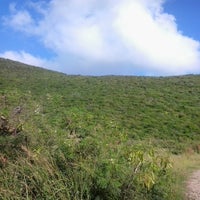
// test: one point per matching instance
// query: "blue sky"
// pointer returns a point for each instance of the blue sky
(93, 37)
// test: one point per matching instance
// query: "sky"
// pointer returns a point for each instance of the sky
(103, 37)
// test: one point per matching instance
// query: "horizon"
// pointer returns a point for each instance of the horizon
(105, 75)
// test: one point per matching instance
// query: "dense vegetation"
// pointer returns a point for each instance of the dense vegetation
(78, 137)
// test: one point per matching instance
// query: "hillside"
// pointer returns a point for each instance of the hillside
(143, 107)
(86, 124)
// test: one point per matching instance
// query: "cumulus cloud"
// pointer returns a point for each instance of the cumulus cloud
(93, 35)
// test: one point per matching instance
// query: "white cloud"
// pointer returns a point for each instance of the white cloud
(133, 33)
(154, 41)
(19, 20)
(27, 58)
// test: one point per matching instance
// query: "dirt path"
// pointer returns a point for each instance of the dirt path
(193, 186)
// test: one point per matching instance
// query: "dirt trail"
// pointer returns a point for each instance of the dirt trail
(193, 186)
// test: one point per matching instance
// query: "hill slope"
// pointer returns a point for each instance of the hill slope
(143, 107)
(78, 137)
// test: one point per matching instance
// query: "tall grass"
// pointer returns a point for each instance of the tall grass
(100, 166)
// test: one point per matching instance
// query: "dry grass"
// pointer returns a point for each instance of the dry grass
(183, 166)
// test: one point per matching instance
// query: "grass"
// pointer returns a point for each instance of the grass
(183, 166)
(79, 137)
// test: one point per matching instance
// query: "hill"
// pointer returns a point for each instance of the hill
(95, 137)
(143, 107)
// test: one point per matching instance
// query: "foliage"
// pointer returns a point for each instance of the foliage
(78, 137)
